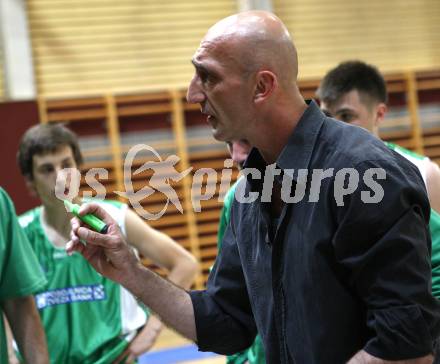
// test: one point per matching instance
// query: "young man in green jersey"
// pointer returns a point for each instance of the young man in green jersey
(88, 318)
(20, 278)
(355, 92)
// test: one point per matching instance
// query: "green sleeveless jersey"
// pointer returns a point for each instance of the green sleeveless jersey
(87, 318)
(20, 274)
(434, 221)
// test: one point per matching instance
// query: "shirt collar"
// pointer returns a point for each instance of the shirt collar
(297, 153)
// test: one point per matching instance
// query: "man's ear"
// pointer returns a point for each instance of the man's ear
(381, 110)
(266, 84)
(31, 186)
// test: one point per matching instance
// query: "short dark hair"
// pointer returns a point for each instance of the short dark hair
(353, 75)
(45, 138)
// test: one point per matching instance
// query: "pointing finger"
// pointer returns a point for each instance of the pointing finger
(95, 238)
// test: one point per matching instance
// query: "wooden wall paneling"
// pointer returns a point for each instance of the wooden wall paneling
(397, 129)
(308, 88)
(429, 82)
(413, 109)
(178, 124)
(78, 109)
(42, 109)
(152, 111)
(112, 123)
(208, 218)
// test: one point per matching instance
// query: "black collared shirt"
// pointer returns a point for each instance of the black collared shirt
(339, 273)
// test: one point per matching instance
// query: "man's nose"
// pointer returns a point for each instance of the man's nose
(195, 93)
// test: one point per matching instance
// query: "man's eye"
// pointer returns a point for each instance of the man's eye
(46, 170)
(346, 117)
(204, 76)
(67, 164)
(207, 77)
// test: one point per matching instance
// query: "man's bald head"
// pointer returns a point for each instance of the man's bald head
(245, 80)
(256, 40)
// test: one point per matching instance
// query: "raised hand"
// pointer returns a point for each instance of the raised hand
(108, 253)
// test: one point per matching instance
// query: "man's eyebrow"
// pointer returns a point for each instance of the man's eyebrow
(201, 68)
(44, 165)
(197, 64)
(344, 109)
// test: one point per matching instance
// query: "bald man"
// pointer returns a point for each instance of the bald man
(324, 276)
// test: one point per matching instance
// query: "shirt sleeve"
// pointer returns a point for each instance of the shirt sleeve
(385, 248)
(20, 273)
(224, 320)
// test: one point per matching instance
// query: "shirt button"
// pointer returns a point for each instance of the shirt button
(266, 238)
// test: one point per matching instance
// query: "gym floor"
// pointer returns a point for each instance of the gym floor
(172, 348)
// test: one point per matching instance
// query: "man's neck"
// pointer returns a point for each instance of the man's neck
(56, 217)
(273, 140)
(56, 223)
